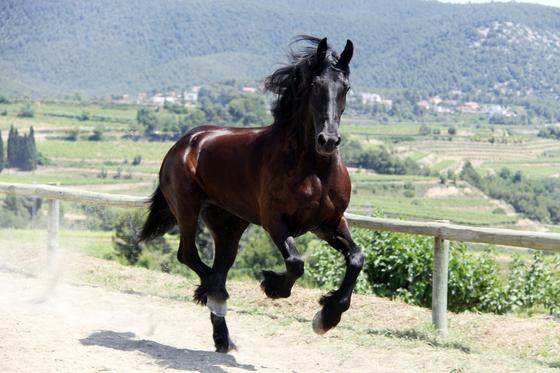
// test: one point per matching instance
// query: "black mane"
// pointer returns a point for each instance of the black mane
(292, 82)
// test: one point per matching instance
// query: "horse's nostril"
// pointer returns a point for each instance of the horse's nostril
(337, 143)
(321, 139)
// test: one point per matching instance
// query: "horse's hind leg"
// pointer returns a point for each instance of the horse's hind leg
(226, 229)
(187, 219)
(338, 301)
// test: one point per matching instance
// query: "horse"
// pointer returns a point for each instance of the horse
(287, 177)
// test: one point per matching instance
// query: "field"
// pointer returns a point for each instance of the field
(104, 165)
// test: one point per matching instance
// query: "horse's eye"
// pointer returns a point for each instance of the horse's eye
(348, 89)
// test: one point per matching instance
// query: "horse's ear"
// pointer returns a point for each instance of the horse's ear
(346, 55)
(322, 51)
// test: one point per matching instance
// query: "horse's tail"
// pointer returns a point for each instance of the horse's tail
(160, 219)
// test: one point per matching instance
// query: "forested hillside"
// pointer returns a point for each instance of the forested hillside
(97, 47)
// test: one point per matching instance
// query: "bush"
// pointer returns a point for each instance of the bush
(126, 239)
(424, 130)
(26, 112)
(137, 160)
(84, 116)
(97, 135)
(73, 135)
(452, 131)
(398, 265)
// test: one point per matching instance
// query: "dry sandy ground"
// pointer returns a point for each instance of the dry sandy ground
(70, 325)
(80, 328)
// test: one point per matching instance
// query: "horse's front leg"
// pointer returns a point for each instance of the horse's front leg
(337, 301)
(279, 285)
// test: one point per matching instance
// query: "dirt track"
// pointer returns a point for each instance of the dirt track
(69, 326)
(82, 328)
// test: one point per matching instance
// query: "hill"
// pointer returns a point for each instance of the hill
(100, 47)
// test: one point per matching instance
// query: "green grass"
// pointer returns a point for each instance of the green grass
(442, 165)
(95, 243)
(453, 209)
(367, 176)
(106, 150)
(533, 169)
(392, 129)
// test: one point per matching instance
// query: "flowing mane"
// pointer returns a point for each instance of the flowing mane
(292, 82)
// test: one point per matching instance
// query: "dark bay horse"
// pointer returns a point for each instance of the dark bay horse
(287, 177)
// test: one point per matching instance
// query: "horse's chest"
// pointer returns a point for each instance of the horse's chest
(310, 200)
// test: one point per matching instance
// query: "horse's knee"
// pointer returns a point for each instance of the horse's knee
(295, 266)
(356, 260)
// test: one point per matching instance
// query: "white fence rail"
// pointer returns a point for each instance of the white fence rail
(442, 232)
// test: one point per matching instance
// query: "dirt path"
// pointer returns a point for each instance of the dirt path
(68, 325)
(82, 328)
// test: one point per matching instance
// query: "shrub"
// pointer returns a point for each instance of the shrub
(84, 116)
(398, 265)
(424, 130)
(499, 211)
(97, 135)
(102, 174)
(26, 112)
(126, 239)
(452, 131)
(137, 160)
(72, 135)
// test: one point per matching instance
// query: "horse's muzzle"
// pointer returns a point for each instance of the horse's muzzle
(327, 143)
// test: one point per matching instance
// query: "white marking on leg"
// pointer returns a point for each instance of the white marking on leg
(217, 307)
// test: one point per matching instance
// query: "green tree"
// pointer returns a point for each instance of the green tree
(1, 152)
(13, 147)
(31, 149)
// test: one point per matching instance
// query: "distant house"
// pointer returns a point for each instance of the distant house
(157, 99)
(423, 104)
(435, 100)
(370, 98)
(248, 90)
(443, 110)
(142, 97)
(120, 99)
(470, 107)
(190, 97)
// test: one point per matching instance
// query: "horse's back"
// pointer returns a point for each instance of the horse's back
(220, 161)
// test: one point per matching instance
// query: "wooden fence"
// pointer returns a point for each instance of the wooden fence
(442, 232)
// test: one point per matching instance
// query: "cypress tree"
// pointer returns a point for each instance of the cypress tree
(24, 158)
(12, 147)
(32, 149)
(1, 152)
(17, 149)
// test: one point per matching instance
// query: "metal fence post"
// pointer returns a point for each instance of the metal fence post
(52, 227)
(439, 285)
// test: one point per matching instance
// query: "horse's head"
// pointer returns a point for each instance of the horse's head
(327, 98)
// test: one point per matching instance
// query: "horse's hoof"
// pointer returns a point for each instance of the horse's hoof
(273, 285)
(225, 349)
(317, 324)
